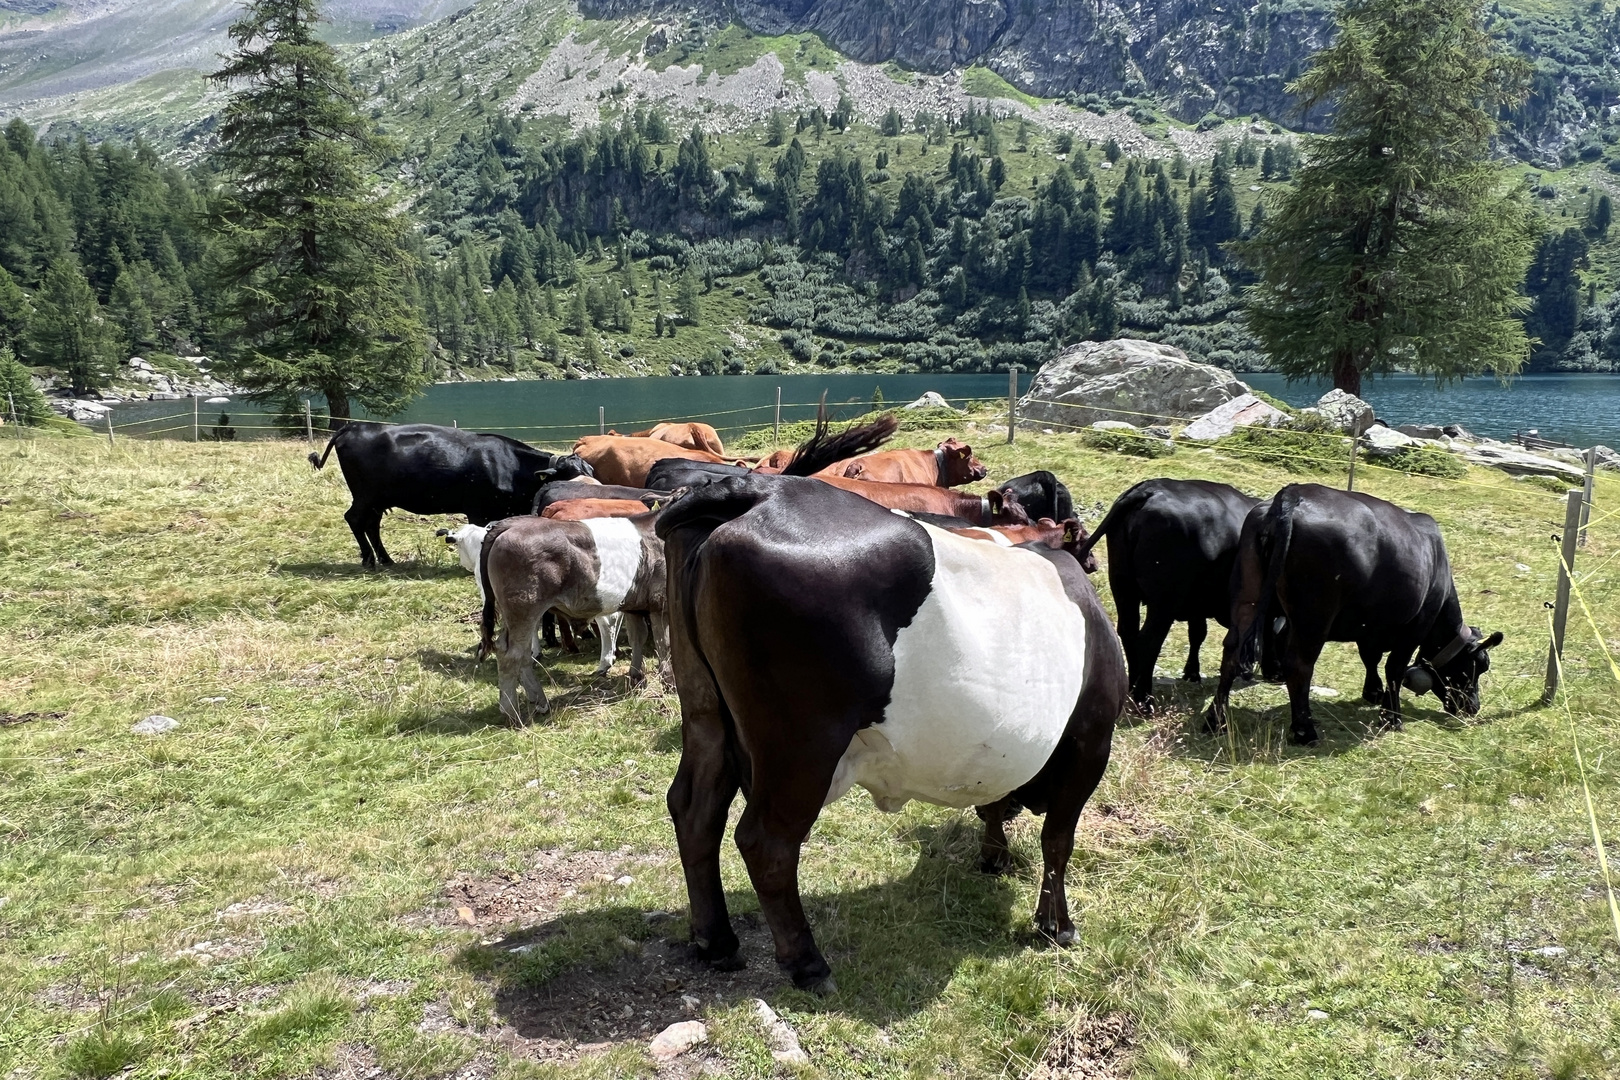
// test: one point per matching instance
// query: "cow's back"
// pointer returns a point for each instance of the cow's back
(426, 469)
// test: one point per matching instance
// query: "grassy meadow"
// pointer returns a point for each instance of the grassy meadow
(343, 863)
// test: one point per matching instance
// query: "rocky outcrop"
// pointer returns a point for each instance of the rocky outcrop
(1344, 411)
(1138, 382)
(1244, 410)
(1516, 462)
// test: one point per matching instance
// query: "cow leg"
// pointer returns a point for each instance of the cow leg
(1197, 631)
(1389, 712)
(1299, 664)
(658, 623)
(638, 646)
(607, 632)
(1215, 718)
(995, 856)
(374, 530)
(548, 630)
(1130, 631)
(565, 626)
(1081, 773)
(515, 665)
(1372, 691)
(1148, 646)
(699, 800)
(356, 517)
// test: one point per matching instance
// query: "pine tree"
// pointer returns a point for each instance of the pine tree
(15, 311)
(68, 329)
(315, 262)
(19, 397)
(1400, 243)
(687, 305)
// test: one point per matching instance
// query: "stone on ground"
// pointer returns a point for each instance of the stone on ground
(156, 724)
(1517, 462)
(1125, 379)
(1422, 431)
(1383, 442)
(784, 1041)
(677, 1039)
(1345, 411)
(1113, 425)
(930, 400)
(1242, 411)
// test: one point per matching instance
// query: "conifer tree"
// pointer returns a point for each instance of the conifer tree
(68, 329)
(686, 298)
(315, 262)
(20, 400)
(1400, 243)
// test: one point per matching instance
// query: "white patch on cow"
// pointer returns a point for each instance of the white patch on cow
(618, 550)
(467, 540)
(607, 632)
(986, 678)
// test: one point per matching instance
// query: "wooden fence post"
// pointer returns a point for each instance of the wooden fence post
(455, 423)
(1355, 440)
(309, 424)
(1555, 650)
(601, 419)
(195, 432)
(776, 427)
(1012, 401)
(1586, 494)
(15, 423)
(109, 428)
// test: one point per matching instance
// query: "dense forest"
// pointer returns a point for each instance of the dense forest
(567, 255)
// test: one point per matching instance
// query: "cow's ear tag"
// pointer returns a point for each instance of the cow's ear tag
(1069, 536)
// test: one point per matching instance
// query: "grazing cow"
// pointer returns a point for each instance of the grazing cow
(950, 464)
(576, 489)
(1041, 494)
(820, 642)
(583, 570)
(427, 469)
(623, 460)
(991, 508)
(1067, 536)
(584, 509)
(1171, 545)
(1343, 566)
(691, 436)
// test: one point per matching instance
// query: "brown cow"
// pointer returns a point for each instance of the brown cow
(584, 509)
(991, 508)
(775, 461)
(1065, 536)
(625, 459)
(691, 436)
(950, 464)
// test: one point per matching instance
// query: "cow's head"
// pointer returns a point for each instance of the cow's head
(569, 467)
(1454, 679)
(1005, 509)
(958, 465)
(1074, 538)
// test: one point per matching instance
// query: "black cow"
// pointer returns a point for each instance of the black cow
(1343, 566)
(1171, 545)
(671, 473)
(566, 491)
(427, 469)
(565, 467)
(821, 641)
(1041, 494)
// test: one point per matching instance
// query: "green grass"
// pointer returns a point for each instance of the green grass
(262, 892)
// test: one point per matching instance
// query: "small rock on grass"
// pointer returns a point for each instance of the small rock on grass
(156, 724)
(784, 1041)
(677, 1039)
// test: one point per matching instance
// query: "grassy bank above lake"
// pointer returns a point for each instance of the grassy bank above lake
(342, 859)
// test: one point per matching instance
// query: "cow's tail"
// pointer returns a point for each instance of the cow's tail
(823, 448)
(486, 621)
(320, 461)
(1275, 537)
(1124, 506)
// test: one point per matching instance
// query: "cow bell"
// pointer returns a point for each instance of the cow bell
(1419, 679)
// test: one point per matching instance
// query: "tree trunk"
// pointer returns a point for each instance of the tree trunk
(337, 409)
(1346, 375)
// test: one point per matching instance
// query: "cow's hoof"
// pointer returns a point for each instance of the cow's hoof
(1056, 935)
(996, 865)
(1303, 736)
(1388, 721)
(1213, 725)
(1192, 677)
(730, 961)
(637, 677)
(1372, 694)
(825, 986)
(1143, 706)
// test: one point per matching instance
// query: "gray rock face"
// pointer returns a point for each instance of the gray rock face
(1383, 442)
(1134, 381)
(1421, 431)
(930, 400)
(1112, 425)
(1517, 462)
(1345, 411)
(1242, 411)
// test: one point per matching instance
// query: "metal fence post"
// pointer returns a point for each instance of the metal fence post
(1012, 401)
(109, 428)
(309, 424)
(195, 433)
(601, 419)
(776, 427)
(1555, 650)
(1355, 439)
(1586, 493)
(455, 423)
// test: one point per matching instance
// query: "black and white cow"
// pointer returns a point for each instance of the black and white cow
(580, 569)
(1171, 546)
(1343, 566)
(822, 642)
(427, 469)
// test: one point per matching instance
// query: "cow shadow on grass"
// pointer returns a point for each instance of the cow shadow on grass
(617, 972)
(408, 571)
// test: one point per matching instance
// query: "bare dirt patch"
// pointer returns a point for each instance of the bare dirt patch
(504, 900)
(1089, 1048)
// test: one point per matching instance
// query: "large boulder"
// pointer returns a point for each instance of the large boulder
(1345, 411)
(1134, 381)
(1516, 462)
(1242, 411)
(1382, 442)
(930, 400)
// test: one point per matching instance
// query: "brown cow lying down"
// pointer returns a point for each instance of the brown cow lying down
(625, 459)
(582, 570)
(991, 508)
(691, 436)
(584, 509)
(950, 464)
(1064, 536)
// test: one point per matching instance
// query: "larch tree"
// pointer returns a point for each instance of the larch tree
(315, 262)
(1401, 244)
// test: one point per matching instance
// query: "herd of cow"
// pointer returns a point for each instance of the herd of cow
(839, 615)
